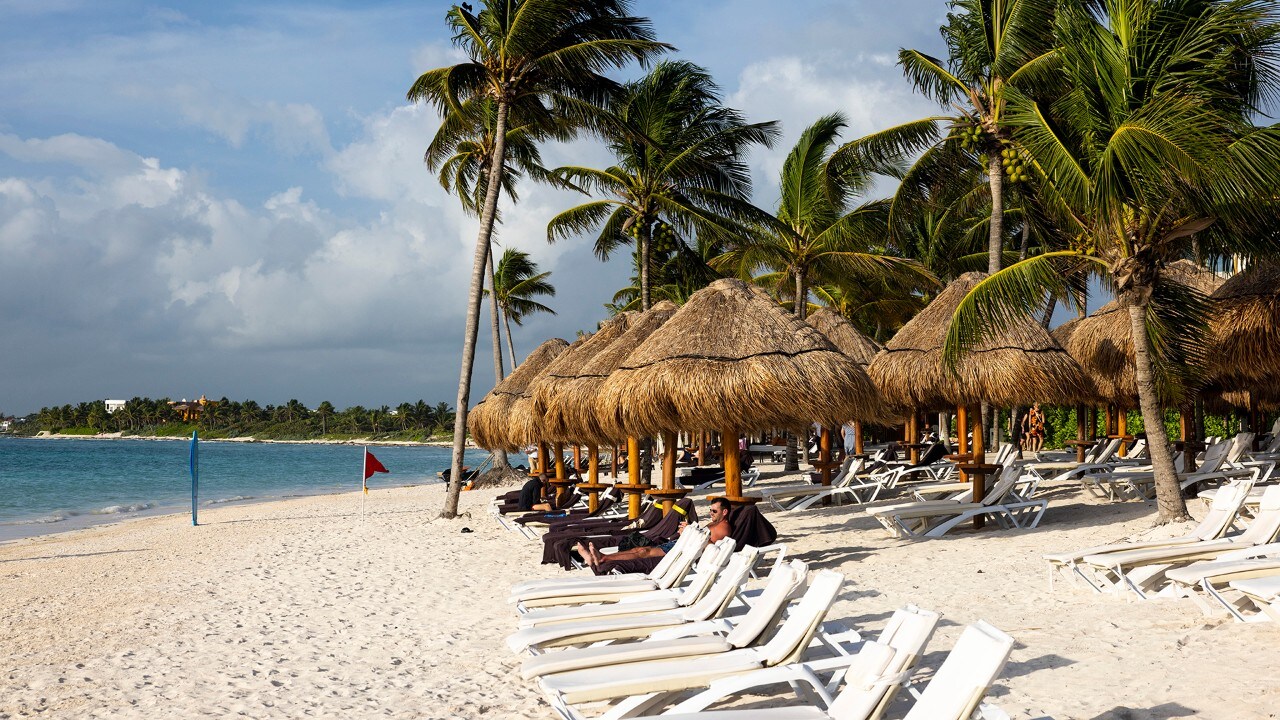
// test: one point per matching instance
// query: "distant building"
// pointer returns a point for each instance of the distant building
(6, 425)
(114, 405)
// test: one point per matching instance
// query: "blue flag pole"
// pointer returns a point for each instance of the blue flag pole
(195, 475)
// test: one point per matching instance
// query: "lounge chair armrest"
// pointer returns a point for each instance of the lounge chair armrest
(1251, 552)
(736, 684)
(705, 627)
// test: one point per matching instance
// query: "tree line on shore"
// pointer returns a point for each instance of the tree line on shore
(229, 418)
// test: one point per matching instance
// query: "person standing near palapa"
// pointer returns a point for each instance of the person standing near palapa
(1033, 428)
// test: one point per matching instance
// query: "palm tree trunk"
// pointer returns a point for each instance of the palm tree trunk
(473, 309)
(995, 242)
(499, 456)
(1168, 495)
(645, 240)
(793, 459)
(802, 295)
(511, 348)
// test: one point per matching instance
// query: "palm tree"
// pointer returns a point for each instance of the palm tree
(460, 151)
(517, 282)
(679, 167)
(533, 58)
(993, 46)
(324, 411)
(816, 232)
(1149, 148)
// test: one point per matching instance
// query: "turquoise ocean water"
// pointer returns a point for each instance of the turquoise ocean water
(51, 485)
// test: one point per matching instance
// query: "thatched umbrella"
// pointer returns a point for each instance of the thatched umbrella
(1103, 344)
(860, 349)
(1103, 341)
(732, 358)
(1005, 369)
(495, 422)
(575, 399)
(1246, 330)
(558, 375)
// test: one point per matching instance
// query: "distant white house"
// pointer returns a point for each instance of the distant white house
(6, 425)
(114, 405)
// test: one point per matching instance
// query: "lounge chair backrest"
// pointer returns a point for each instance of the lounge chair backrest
(864, 688)
(1274, 445)
(1242, 444)
(784, 582)
(1226, 503)
(675, 563)
(1008, 476)
(1138, 450)
(1214, 457)
(713, 559)
(789, 643)
(1266, 523)
(935, 453)
(870, 684)
(969, 670)
(1108, 451)
(717, 599)
(1006, 451)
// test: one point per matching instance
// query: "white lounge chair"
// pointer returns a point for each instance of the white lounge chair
(633, 622)
(671, 570)
(1264, 592)
(1140, 569)
(640, 686)
(935, 518)
(1215, 523)
(973, 665)
(871, 678)
(1209, 577)
(1140, 483)
(785, 582)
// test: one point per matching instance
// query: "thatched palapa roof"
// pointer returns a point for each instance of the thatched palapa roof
(1018, 366)
(732, 358)
(1246, 329)
(1103, 342)
(847, 339)
(496, 423)
(858, 347)
(574, 403)
(560, 375)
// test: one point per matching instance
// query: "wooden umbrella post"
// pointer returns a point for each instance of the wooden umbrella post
(978, 473)
(962, 429)
(668, 493)
(1122, 429)
(1186, 432)
(1081, 440)
(592, 485)
(913, 437)
(561, 483)
(634, 486)
(857, 437)
(732, 470)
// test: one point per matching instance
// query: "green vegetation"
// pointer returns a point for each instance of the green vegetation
(230, 419)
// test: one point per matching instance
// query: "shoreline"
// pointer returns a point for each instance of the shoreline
(45, 435)
(79, 521)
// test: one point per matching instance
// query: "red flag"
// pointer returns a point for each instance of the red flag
(371, 465)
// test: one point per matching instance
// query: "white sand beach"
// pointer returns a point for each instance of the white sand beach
(296, 608)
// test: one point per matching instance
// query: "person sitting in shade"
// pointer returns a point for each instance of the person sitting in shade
(602, 564)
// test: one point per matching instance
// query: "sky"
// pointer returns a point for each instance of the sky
(229, 198)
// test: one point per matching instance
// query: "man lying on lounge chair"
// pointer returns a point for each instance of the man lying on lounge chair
(602, 564)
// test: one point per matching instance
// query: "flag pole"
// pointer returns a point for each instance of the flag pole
(364, 479)
(195, 475)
